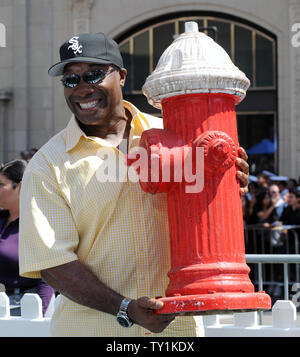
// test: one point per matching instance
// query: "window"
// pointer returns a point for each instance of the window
(257, 135)
(251, 50)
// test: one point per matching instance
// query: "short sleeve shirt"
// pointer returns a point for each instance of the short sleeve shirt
(69, 212)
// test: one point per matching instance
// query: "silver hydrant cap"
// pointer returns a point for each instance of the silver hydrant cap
(194, 63)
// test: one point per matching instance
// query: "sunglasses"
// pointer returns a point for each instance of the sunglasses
(91, 77)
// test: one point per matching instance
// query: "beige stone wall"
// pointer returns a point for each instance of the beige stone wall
(36, 28)
(6, 75)
(290, 126)
(28, 52)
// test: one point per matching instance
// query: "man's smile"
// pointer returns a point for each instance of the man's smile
(89, 105)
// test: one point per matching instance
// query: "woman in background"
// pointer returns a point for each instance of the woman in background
(15, 286)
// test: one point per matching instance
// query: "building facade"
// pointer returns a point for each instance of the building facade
(261, 36)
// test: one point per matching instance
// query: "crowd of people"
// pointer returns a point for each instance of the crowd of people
(271, 212)
(273, 202)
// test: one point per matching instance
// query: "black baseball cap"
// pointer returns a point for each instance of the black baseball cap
(89, 48)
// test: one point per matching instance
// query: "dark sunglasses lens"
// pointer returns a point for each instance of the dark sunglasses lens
(71, 81)
(94, 77)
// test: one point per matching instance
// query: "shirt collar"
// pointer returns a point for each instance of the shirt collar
(138, 124)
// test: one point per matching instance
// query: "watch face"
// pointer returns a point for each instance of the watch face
(123, 321)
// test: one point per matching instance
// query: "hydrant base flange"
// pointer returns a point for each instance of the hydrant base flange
(215, 303)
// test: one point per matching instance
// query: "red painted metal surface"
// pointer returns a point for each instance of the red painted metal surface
(208, 272)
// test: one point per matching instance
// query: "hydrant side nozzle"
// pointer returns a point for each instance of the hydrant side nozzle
(220, 151)
(161, 151)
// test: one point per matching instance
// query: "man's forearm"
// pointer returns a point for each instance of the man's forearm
(75, 281)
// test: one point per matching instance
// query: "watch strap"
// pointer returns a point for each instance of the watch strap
(122, 315)
(124, 305)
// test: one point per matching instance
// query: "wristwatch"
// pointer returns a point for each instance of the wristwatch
(122, 316)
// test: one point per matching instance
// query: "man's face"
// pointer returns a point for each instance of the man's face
(291, 199)
(274, 192)
(95, 104)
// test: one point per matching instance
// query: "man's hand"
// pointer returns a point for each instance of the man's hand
(142, 312)
(243, 172)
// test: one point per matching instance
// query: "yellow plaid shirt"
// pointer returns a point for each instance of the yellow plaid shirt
(116, 229)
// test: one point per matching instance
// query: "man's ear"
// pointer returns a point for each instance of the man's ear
(123, 75)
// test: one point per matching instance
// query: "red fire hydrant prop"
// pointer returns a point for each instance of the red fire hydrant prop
(197, 87)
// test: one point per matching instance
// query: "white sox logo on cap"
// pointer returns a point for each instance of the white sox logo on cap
(75, 45)
(89, 48)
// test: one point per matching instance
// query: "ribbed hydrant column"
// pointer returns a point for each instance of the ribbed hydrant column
(197, 87)
(207, 227)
